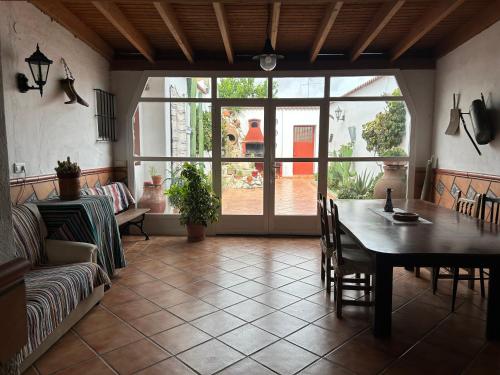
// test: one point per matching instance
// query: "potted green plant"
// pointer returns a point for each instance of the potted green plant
(193, 196)
(155, 176)
(68, 174)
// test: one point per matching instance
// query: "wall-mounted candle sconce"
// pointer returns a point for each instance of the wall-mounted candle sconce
(39, 65)
(339, 114)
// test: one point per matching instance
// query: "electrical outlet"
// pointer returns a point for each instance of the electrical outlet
(19, 167)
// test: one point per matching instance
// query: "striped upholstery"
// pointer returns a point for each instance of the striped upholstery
(122, 198)
(28, 235)
(52, 293)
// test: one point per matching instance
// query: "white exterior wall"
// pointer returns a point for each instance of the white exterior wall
(41, 130)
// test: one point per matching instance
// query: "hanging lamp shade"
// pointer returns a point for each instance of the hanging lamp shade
(268, 58)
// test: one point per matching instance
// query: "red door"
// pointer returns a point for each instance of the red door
(303, 147)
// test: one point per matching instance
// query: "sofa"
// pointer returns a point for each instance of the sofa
(62, 285)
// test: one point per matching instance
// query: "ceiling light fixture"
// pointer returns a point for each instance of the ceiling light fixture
(268, 58)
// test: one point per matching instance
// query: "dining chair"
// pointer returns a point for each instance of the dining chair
(352, 266)
(470, 207)
(494, 209)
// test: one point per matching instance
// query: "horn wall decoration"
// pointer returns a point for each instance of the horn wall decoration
(68, 85)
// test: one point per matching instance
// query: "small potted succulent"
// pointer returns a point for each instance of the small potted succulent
(193, 196)
(68, 174)
(157, 178)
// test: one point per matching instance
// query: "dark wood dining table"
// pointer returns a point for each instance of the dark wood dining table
(448, 239)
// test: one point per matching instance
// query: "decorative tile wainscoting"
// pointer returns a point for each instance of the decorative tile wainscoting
(447, 184)
(46, 186)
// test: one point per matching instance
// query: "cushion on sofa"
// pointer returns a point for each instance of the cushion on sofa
(118, 191)
(52, 293)
(28, 234)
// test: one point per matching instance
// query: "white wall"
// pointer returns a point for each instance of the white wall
(469, 70)
(42, 130)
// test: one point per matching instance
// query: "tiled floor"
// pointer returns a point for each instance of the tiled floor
(249, 305)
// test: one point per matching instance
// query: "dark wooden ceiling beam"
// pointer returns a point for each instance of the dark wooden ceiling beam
(167, 14)
(220, 14)
(57, 11)
(114, 15)
(434, 15)
(379, 21)
(275, 20)
(329, 18)
(477, 23)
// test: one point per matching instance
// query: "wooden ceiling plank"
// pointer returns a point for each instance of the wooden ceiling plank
(167, 14)
(429, 20)
(326, 25)
(220, 14)
(116, 17)
(477, 23)
(275, 20)
(57, 11)
(381, 19)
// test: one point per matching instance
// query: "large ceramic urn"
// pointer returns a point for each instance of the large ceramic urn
(394, 177)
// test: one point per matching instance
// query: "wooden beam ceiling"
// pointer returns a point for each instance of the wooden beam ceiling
(114, 15)
(326, 25)
(57, 11)
(275, 20)
(484, 19)
(168, 16)
(430, 19)
(381, 18)
(220, 14)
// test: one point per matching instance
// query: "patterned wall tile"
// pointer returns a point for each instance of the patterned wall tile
(440, 188)
(471, 193)
(447, 200)
(447, 180)
(462, 183)
(481, 186)
(454, 190)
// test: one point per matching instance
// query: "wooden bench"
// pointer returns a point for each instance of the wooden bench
(135, 217)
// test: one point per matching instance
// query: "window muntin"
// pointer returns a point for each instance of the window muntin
(359, 86)
(299, 87)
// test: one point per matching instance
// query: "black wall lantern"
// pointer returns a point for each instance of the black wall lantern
(39, 65)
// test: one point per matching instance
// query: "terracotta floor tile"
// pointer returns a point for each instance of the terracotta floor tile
(111, 338)
(250, 272)
(156, 322)
(31, 371)
(200, 288)
(300, 289)
(246, 367)
(279, 324)
(98, 318)
(223, 298)
(250, 289)
(248, 339)
(284, 358)
(306, 310)
(324, 367)
(272, 266)
(180, 338)
(134, 309)
(315, 339)
(94, 366)
(210, 357)
(69, 350)
(172, 298)
(274, 280)
(151, 289)
(276, 299)
(487, 361)
(171, 366)
(290, 259)
(295, 273)
(217, 323)
(180, 279)
(118, 295)
(136, 356)
(136, 279)
(249, 310)
(231, 265)
(226, 279)
(192, 310)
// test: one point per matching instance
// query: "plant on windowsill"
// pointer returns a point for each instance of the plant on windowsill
(68, 174)
(193, 196)
(157, 178)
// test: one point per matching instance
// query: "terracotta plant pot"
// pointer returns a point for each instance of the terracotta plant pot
(196, 232)
(153, 198)
(157, 180)
(395, 178)
(69, 187)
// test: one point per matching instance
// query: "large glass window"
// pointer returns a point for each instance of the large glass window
(364, 86)
(241, 88)
(299, 87)
(177, 87)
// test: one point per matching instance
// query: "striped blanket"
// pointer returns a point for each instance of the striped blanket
(118, 191)
(52, 293)
(90, 219)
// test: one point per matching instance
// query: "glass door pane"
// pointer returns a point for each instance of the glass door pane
(242, 153)
(295, 162)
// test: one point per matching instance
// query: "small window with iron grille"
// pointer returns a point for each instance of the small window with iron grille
(105, 114)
